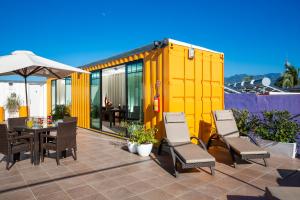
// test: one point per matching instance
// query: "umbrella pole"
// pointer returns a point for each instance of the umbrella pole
(25, 77)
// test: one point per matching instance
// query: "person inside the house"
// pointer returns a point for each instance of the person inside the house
(108, 103)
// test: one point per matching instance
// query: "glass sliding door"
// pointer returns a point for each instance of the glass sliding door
(113, 98)
(95, 82)
(135, 91)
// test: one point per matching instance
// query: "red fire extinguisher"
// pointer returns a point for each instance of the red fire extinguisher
(156, 105)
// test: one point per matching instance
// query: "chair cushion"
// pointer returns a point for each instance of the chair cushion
(224, 115)
(243, 146)
(175, 118)
(192, 153)
(283, 193)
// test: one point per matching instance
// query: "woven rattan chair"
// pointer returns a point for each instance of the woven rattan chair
(70, 119)
(65, 139)
(14, 122)
(11, 144)
(184, 152)
(228, 136)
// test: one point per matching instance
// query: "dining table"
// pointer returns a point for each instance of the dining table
(36, 130)
(112, 115)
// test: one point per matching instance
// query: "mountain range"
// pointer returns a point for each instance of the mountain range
(240, 77)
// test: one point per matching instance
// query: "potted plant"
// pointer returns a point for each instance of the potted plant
(145, 139)
(132, 130)
(59, 112)
(13, 103)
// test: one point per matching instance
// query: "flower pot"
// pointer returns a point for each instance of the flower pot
(132, 147)
(144, 149)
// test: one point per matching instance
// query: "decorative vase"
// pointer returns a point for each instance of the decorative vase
(144, 149)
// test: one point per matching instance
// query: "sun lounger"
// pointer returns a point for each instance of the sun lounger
(282, 193)
(178, 139)
(228, 134)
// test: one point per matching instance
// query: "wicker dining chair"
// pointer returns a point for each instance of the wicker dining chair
(14, 122)
(65, 139)
(11, 144)
(70, 119)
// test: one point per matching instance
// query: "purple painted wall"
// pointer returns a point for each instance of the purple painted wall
(259, 103)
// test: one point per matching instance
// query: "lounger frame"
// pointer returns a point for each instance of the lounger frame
(176, 158)
(215, 140)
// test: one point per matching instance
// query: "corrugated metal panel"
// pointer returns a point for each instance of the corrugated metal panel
(194, 86)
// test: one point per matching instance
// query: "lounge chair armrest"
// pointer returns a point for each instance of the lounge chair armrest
(200, 142)
(253, 140)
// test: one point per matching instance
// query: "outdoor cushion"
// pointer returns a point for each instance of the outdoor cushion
(243, 146)
(192, 153)
(283, 193)
(175, 118)
(227, 128)
(223, 115)
(176, 131)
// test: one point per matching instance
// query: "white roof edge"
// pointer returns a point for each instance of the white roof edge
(191, 45)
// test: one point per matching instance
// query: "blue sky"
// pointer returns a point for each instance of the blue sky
(255, 36)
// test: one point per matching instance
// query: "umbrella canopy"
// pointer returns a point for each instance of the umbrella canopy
(26, 63)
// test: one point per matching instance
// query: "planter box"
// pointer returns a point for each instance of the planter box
(279, 148)
(285, 149)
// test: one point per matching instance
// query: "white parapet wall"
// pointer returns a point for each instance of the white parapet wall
(37, 96)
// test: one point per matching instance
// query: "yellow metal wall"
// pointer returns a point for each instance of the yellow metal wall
(194, 86)
(2, 114)
(80, 106)
(23, 111)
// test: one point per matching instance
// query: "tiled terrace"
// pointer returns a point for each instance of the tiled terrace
(104, 170)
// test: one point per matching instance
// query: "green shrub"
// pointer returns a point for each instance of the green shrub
(139, 134)
(60, 111)
(245, 121)
(277, 126)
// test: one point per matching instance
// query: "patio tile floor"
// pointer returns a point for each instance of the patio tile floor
(106, 171)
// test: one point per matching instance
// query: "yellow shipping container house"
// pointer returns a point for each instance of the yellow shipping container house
(141, 84)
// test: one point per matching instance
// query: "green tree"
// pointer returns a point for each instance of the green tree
(289, 78)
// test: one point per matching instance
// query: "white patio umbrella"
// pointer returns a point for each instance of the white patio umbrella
(26, 63)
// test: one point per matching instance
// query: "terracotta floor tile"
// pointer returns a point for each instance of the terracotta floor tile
(156, 194)
(96, 196)
(22, 194)
(105, 185)
(45, 189)
(212, 190)
(195, 195)
(118, 193)
(55, 196)
(81, 191)
(175, 189)
(139, 187)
